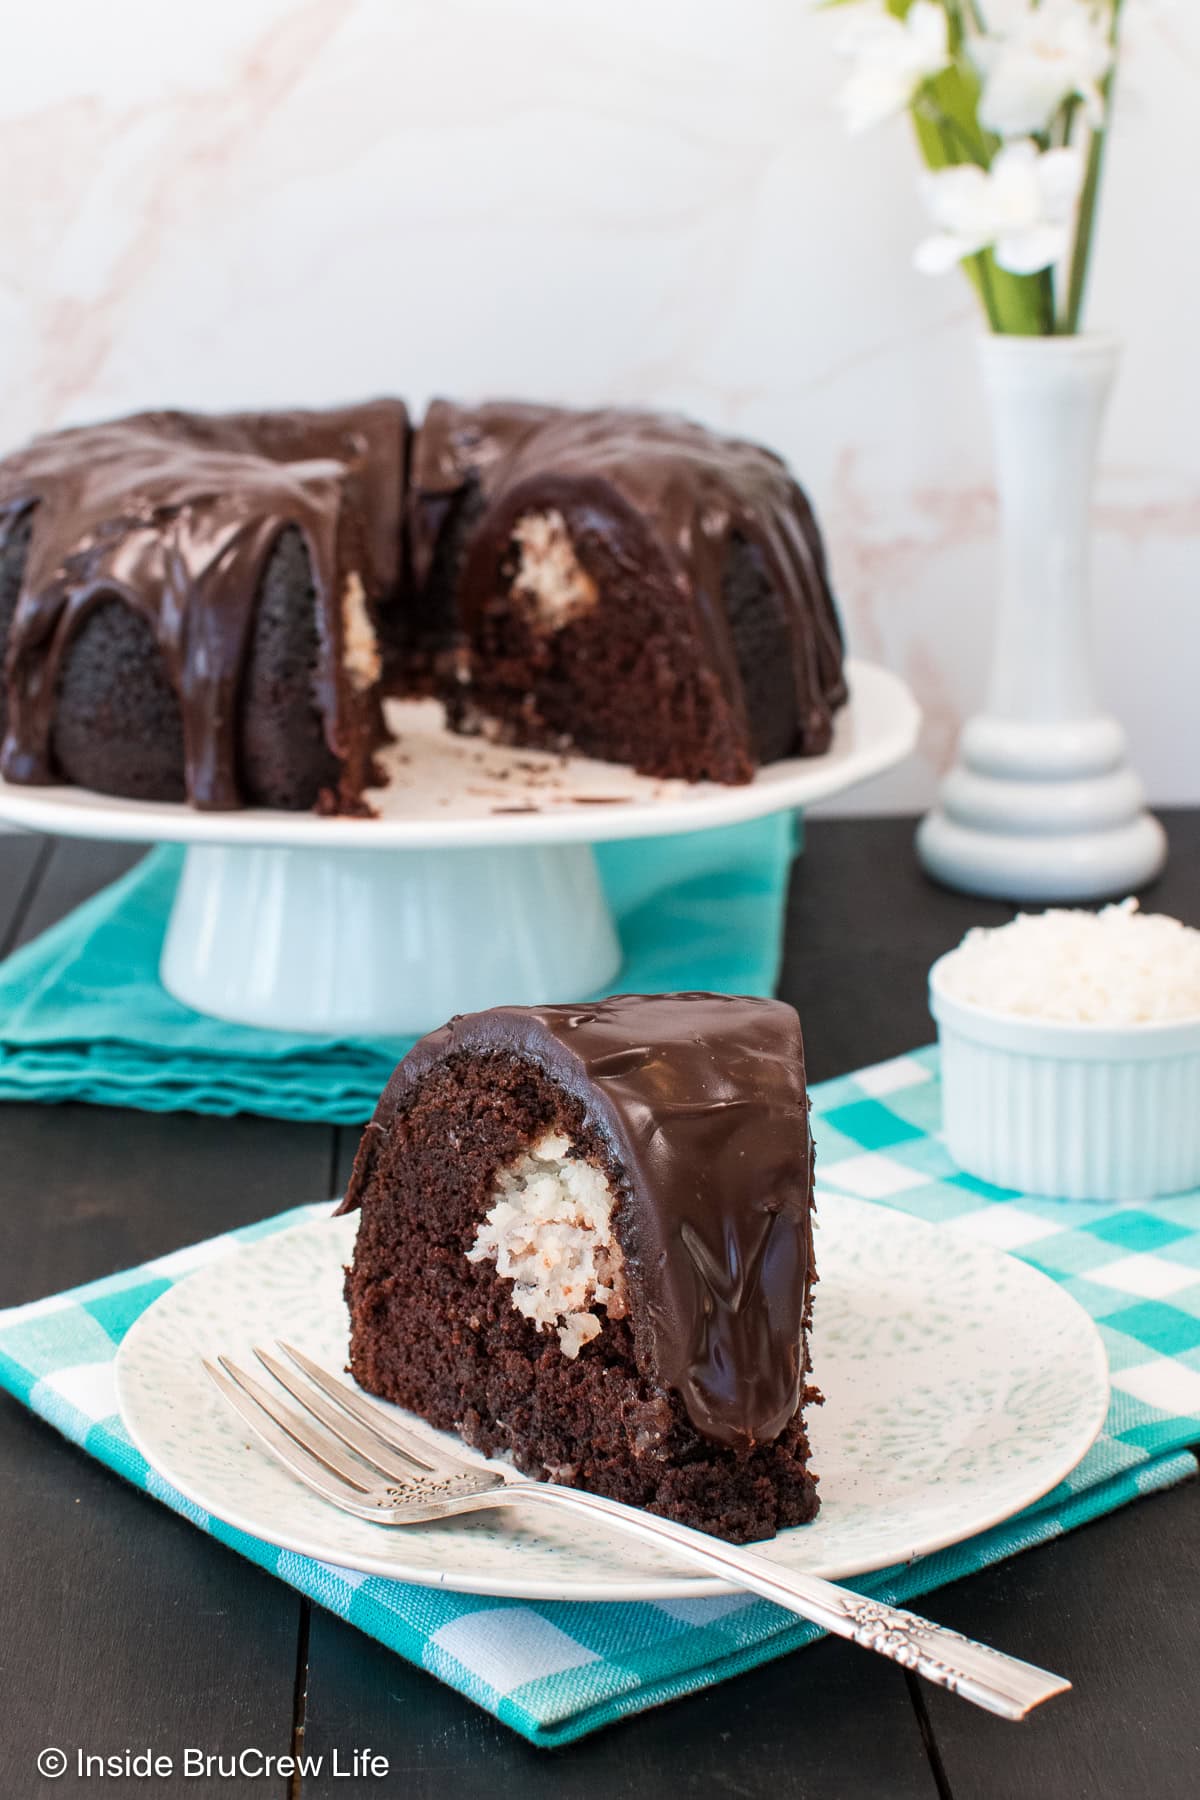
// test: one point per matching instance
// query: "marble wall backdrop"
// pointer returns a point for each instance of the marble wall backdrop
(230, 202)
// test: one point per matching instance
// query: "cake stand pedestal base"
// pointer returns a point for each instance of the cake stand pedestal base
(384, 943)
(471, 884)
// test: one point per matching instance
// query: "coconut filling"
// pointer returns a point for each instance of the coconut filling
(549, 1232)
(360, 643)
(549, 575)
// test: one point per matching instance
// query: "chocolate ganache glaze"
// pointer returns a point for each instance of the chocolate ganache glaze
(702, 1098)
(175, 514)
(626, 474)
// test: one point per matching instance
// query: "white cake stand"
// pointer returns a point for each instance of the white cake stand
(475, 883)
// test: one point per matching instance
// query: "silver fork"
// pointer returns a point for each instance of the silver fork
(393, 1477)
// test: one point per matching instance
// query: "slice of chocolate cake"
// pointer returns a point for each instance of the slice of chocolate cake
(586, 1240)
(626, 584)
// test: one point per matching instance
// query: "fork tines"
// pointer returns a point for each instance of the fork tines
(335, 1420)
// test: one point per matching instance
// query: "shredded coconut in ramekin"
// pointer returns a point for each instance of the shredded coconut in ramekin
(1116, 967)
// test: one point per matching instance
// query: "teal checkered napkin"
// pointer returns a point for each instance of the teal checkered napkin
(1136, 1269)
(83, 1015)
(556, 1672)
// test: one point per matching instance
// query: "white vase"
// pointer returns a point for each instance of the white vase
(1041, 804)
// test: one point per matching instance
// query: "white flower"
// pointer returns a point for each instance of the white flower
(1045, 56)
(1022, 208)
(892, 58)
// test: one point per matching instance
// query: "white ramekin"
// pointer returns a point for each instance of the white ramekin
(1073, 1112)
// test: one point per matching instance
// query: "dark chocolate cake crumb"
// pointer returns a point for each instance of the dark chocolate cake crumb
(285, 760)
(117, 725)
(15, 529)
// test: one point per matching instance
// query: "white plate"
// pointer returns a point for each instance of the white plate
(446, 790)
(961, 1386)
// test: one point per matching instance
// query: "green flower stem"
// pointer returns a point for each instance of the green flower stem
(1024, 303)
(979, 270)
(1066, 122)
(1086, 224)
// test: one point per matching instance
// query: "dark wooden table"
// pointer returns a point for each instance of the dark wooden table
(122, 1626)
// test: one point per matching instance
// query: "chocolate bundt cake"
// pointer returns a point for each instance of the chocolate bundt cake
(211, 609)
(625, 584)
(586, 1241)
(190, 604)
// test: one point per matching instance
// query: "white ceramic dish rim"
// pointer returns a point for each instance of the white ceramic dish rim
(876, 729)
(644, 1587)
(1146, 1040)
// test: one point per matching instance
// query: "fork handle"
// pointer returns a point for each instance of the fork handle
(1000, 1684)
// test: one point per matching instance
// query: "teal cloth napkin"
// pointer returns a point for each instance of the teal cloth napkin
(83, 1015)
(555, 1672)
